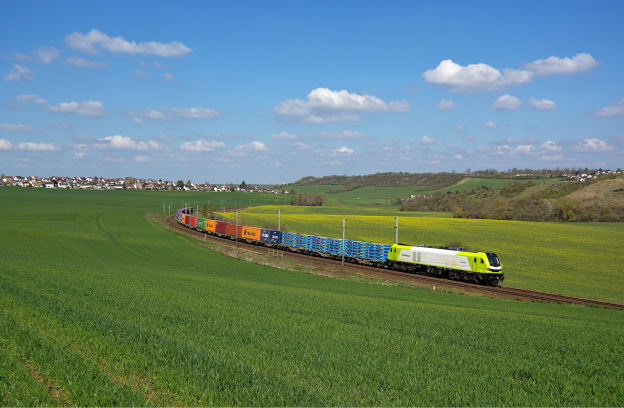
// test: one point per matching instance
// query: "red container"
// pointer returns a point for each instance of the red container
(221, 227)
(193, 221)
(231, 230)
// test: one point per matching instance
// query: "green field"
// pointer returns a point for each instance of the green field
(576, 259)
(387, 196)
(100, 306)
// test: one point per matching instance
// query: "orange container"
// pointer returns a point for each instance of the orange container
(211, 225)
(251, 233)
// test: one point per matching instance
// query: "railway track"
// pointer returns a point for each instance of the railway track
(423, 280)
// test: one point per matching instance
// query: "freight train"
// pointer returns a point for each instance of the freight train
(448, 262)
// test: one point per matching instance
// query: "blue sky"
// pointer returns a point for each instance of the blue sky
(273, 91)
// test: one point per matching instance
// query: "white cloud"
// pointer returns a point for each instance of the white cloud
(283, 135)
(303, 146)
(552, 146)
(593, 145)
(475, 77)
(79, 155)
(468, 137)
(201, 145)
(125, 142)
(84, 63)
(506, 102)
(167, 76)
(31, 98)
(614, 110)
(16, 127)
(140, 73)
(554, 65)
(196, 113)
(426, 140)
(20, 57)
(95, 39)
(460, 128)
(252, 146)
(38, 147)
(89, 108)
(47, 54)
(20, 73)
(80, 146)
(343, 151)
(525, 149)
(141, 159)
(344, 135)
(324, 105)
(542, 104)
(552, 157)
(156, 115)
(459, 157)
(138, 121)
(446, 105)
(5, 144)
(60, 126)
(490, 125)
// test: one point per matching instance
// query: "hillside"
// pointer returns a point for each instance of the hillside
(601, 199)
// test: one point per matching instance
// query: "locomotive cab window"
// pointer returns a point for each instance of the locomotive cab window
(481, 260)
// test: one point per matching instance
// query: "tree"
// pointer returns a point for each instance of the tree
(206, 209)
(188, 183)
(180, 184)
(243, 185)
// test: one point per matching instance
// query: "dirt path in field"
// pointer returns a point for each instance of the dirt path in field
(323, 266)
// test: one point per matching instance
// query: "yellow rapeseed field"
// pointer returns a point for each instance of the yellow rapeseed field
(576, 259)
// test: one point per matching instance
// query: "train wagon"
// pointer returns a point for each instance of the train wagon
(251, 233)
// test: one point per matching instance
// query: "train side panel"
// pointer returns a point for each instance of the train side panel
(211, 225)
(251, 233)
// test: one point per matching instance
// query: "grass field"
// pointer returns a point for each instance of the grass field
(577, 259)
(387, 196)
(99, 306)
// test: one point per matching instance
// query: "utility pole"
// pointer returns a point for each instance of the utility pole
(222, 210)
(396, 230)
(344, 226)
(279, 220)
(236, 233)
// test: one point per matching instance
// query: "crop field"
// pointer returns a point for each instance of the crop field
(576, 259)
(101, 306)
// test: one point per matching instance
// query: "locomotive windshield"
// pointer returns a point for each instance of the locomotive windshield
(494, 262)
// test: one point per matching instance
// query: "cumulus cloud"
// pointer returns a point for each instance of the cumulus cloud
(593, 145)
(542, 104)
(79, 155)
(255, 146)
(5, 144)
(84, 63)
(426, 140)
(474, 77)
(616, 109)
(525, 149)
(31, 98)
(142, 159)
(343, 151)
(88, 108)
(16, 128)
(283, 135)
(460, 128)
(167, 76)
(127, 143)
(47, 54)
(506, 102)
(37, 147)
(580, 63)
(323, 105)
(344, 135)
(490, 125)
(195, 113)
(459, 157)
(303, 146)
(201, 145)
(446, 105)
(552, 146)
(20, 73)
(94, 40)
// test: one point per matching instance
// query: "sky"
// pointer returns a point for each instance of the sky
(269, 92)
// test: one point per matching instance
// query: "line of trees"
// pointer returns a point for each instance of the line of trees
(307, 199)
